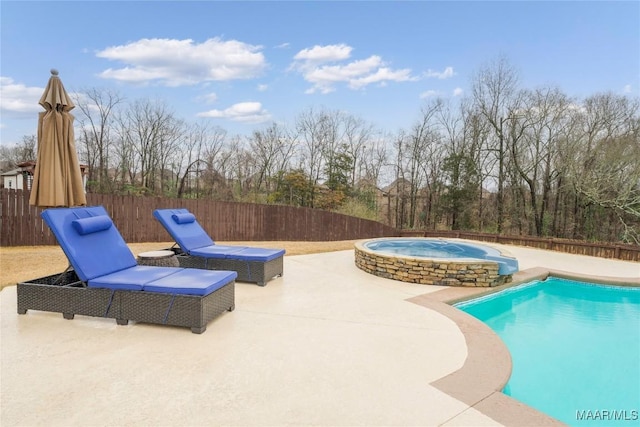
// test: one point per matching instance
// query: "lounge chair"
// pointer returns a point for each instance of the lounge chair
(197, 250)
(104, 280)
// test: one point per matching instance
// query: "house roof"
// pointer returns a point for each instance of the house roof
(14, 172)
(30, 166)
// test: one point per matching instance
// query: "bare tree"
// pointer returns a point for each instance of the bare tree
(495, 95)
(418, 151)
(148, 128)
(272, 149)
(231, 168)
(358, 135)
(320, 134)
(96, 118)
(458, 169)
(475, 133)
(603, 160)
(167, 152)
(545, 112)
(200, 144)
(23, 151)
(124, 157)
(376, 159)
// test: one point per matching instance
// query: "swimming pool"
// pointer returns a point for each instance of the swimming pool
(575, 348)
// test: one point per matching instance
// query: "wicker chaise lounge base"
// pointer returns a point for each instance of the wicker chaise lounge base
(104, 279)
(259, 272)
(65, 293)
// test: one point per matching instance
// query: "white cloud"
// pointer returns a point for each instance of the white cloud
(18, 99)
(283, 45)
(325, 67)
(446, 74)
(262, 87)
(429, 94)
(183, 62)
(328, 53)
(627, 89)
(458, 91)
(245, 112)
(382, 76)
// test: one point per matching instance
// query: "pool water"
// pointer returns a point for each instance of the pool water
(575, 348)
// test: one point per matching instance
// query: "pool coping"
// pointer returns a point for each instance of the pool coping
(487, 368)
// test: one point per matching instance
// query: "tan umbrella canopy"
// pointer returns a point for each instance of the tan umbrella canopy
(57, 180)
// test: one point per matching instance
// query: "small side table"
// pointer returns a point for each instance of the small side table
(158, 259)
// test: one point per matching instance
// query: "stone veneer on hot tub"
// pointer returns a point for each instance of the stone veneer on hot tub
(426, 271)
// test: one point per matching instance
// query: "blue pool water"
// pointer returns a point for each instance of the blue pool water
(438, 248)
(575, 348)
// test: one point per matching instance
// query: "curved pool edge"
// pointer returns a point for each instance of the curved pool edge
(485, 372)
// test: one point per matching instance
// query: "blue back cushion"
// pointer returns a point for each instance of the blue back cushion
(183, 228)
(100, 250)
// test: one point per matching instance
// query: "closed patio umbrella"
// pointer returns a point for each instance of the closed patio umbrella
(57, 179)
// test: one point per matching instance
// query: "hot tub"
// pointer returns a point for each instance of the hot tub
(435, 261)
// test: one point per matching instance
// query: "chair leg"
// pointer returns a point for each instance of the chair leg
(122, 321)
(198, 330)
(68, 316)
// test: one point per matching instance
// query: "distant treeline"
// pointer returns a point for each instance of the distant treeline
(505, 159)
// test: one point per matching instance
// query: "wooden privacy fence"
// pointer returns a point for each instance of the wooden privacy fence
(21, 224)
(602, 250)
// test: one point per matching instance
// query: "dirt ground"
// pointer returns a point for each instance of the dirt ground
(22, 263)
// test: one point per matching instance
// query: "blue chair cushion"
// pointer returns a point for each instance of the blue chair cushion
(94, 254)
(217, 251)
(256, 254)
(170, 280)
(183, 218)
(132, 279)
(191, 281)
(92, 224)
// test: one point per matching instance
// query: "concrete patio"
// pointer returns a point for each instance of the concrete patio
(327, 344)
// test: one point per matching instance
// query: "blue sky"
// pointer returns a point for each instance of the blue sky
(243, 65)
